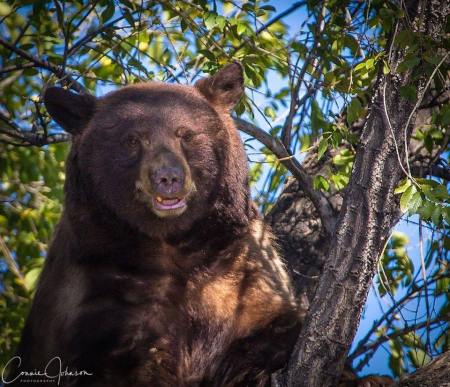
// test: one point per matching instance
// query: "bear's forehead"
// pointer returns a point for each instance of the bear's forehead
(156, 99)
(154, 105)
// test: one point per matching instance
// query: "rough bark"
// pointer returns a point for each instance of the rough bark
(369, 211)
(298, 228)
(434, 374)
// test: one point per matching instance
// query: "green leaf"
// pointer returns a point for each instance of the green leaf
(399, 239)
(442, 285)
(411, 340)
(403, 186)
(129, 17)
(396, 363)
(351, 43)
(354, 110)
(183, 25)
(318, 121)
(445, 115)
(108, 12)
(370, 63)
(408, 64)
(344, 158)
(5, 9)
(405, 38)
(409, 92)
(323, 146)
(268, 8)
(241, 28)
(415, 202)
(406, 198)
(426, 210)
(221, 22)
(443, 340)
(419, 357)
(360, 66)
(31, 278)
(30, 71)
(433, 59)
(340, 180)
(320, 182)
(436, 215)
(210, 20)
(207, 54)
(386, 69)
(26, 46)
(270, 112)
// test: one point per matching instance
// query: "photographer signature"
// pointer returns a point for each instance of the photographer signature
(37, 375)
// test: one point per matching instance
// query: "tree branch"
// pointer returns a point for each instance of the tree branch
(22, 137)
(321, 203)
(436, 373)
(88, 37)
(9, 69)
(58, 71)
(435, 170)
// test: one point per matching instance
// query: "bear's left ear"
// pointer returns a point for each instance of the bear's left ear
(225, 88)
(71, 111)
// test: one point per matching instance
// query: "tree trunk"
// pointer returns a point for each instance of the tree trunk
(434, 374)
(369, 211)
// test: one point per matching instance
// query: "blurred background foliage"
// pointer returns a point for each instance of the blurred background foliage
(31, 194)
(309, 67)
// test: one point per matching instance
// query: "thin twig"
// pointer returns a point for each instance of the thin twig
(362, 347)
(10, 69)
(423, 271)
(23, 137)
(375, 344)
(58, 71)
(417, 105)
(295, 102)
(12, 264)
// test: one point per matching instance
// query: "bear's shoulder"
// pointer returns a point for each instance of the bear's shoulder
(254, 289)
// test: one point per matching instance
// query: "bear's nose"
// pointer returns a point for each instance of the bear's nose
(168, 181)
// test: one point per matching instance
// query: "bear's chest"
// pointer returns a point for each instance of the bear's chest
(160, 326)
(179, 325)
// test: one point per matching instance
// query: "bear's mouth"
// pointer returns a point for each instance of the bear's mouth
(168, 204)
(165, 206)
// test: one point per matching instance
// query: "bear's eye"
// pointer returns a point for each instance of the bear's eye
(185, 134)
(132, 142)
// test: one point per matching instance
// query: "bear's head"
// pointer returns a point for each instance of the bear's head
(162, 158)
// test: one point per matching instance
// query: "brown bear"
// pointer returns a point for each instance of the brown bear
(161, 271)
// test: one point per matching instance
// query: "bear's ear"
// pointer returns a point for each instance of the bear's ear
(71, 111)
(225, 88)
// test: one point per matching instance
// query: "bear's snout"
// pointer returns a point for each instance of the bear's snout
(168, 181)
(166, 178)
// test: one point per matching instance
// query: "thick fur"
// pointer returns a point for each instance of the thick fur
(201, 299)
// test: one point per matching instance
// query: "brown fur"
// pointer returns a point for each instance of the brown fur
(140, 299)
(350, 379)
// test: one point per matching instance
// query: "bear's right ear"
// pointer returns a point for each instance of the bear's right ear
(225, 88)
(71, 111)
